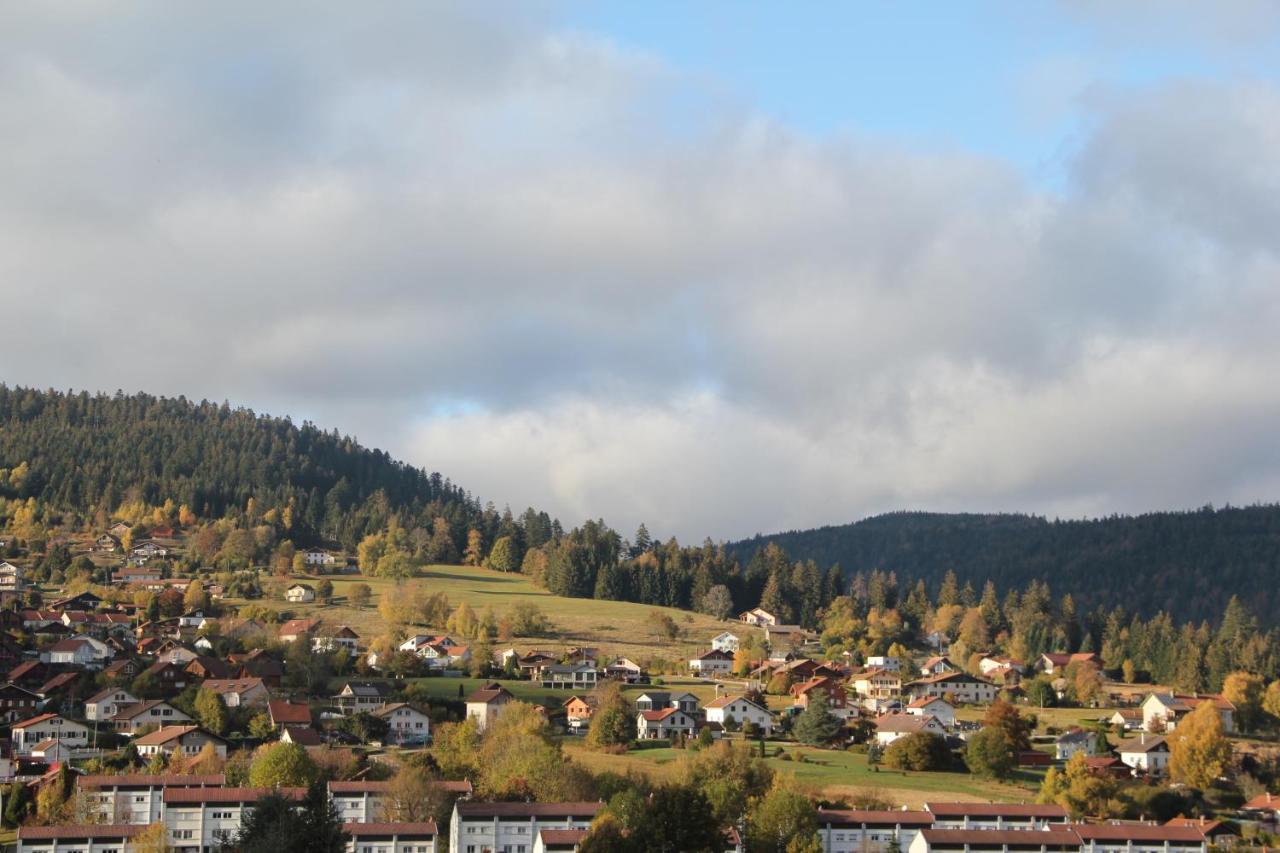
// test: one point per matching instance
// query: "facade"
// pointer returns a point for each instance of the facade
(725, 642)
(669, 722)
(239, 692)
(408, 726)
(570, 676)
(487, 827)
(935, 840)
(392, 837)
(1073, 741)
(742, 710)
(137, 798)
(1161, 712)
(932, 706)
(860, 831)
(996, 816)
(890, 727)
(80, 838)
(712, 663)
(29, 733)
(300, 593)
(332, 639)
(107, 703)
(188, 740)
(961, 686)
(357, 696)
(578, 711)
(1145, 754)
(201, 819)
(758, 616)
(485, 704)
(155, 712)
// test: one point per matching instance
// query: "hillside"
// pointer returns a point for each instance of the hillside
(1186, 563)
(81, 454)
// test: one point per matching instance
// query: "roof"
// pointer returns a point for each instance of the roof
(1148, 744)
(227, 795)
(70, 644)
(1048, 838)
(1137, 832)
(81, 830)
(950, 810)
(303, 735)
(905, 722)
(658, 716)
(487, 810)
(166, 734)
(1208, 826)
(148, 780)
(724, 701)
(367, 786)
(1263, 801)
(1186, 702)
(297, 626)
(366, 688)
(233, 685)
(866, 816)
(490, 693)
(925, 701)
(33, 721)
(568, 838)
(128, 712)
(949, 676)
(1076, 735)
(287, 712)
(388, 710)
(355, 830)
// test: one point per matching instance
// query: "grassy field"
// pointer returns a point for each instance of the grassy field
(833, 771)
(615, 627)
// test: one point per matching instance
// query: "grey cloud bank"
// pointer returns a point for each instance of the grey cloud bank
(485, 248)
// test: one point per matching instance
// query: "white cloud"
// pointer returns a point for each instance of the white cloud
(487, 248)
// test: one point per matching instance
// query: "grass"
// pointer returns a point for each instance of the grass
(832, 771)
(617, 628)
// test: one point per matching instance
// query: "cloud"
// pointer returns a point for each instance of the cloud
(499, 250)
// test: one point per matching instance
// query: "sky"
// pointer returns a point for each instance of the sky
(723, 268)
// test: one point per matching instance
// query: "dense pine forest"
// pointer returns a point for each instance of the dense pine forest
(1188, 564)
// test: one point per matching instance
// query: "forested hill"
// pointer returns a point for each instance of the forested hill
(1187, 563)
(84, 455)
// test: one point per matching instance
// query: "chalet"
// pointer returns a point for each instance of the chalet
(786, 636)
(1216, 832)
(1161, 712)
(725, 642)
(105, 704)
(531, 663)
(81, 601)
(328, 639)
(1054, 662)
(173, 676)
(357, 696)
(63, 685)
(758, 616)
(82, 838)
(624, 669)
(162, 532)
(477, 826)
(204, 667)
(1075, 740)
(713, 663)
(17, 703)
(996, 816)
(187, 740)
(12, 581)
(583, 654)
(123, 669)
(934, 706)
(578, 711)
(300, 593)
(288, 714)
(28, 733)
(669, 722)
(1145, 754)
(239, 692)
(119, 529)
(259, 664)
(657, 700)
(995, 663)
(106, 543)
(407, 725)
(570, 676)
(30, 673)
(890, 727)
(738, 711)
(485, 704)
(1127, 718)
(296, 629)
(417, 837)
(149, 549)
(877, 683)
(955, 686)
(833, 689)
(154, 712)
(136, 798)
(862, 831)
(35, 618)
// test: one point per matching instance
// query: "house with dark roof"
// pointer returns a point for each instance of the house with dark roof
(188, 740)
(153, 712)
(485, 704)
(357, 696)
(288, 714)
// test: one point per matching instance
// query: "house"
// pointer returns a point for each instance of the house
(933, 706)
(833, 689)
(484, 705)
(106, 543)
(578, 711)
(173, 676)
(83, 652)
(30, 673)
(105, 704)
(239, 692)
(137, 798)
(877, 683)
(408, 726)
(1266, 805)
(154, 712)
(476, 826)
(300, 593)
(739, 711)
(1075, 740)
(122, 669)
(998, 663)
(570, 676)
(137, 575)
(1161, 712)
(203, 667)
(656, 700)
(188, 740)
(1054, 662)
(1145, 754)
(288, 714)
(725, 642)
(884, 662)
(1216, 832)
(331, 639)
(203, 819)
(11, 581)
(296, 629)
(713, 663)
(624, 669)
(997, 816)
(758, 616)
(862, 831)
(301, 735)
(316, 557)
(391, 837)
(80, 601)
(934, 840)
(890, 727)
(357, 696)
(149, 549)
(955, 686)
(1127, 718)
(669, 722)
(119, 529)
(17, 703)
(82, 838)
(26, 734)
(52, 752)
(259, 664)
(786, 636)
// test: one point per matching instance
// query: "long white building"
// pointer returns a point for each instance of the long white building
(512, 827)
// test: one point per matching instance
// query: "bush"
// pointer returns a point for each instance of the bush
(918, 751)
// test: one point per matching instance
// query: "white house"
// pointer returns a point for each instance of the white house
(992, 663)
(137, 797)
(300, 593)
(656, 700)
(959, 685)
(1161, 712)
(884, 662)
(188, 740)
(725, 642)
(154, 712)
(407, 724)
(84, 652)
(477, 827)
(758, 616)
(1146, 754)
(1075, 740)
(105, 704)
(239, 692)
(36, 730)
(741, 710)
(316, 557)
(484, 705)
(666, 723)
(936, 707)
(712, 663)
(890, 727)
(328, 639)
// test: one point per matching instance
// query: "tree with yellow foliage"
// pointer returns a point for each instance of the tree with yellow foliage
(1198, 750)
(1244, 690)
